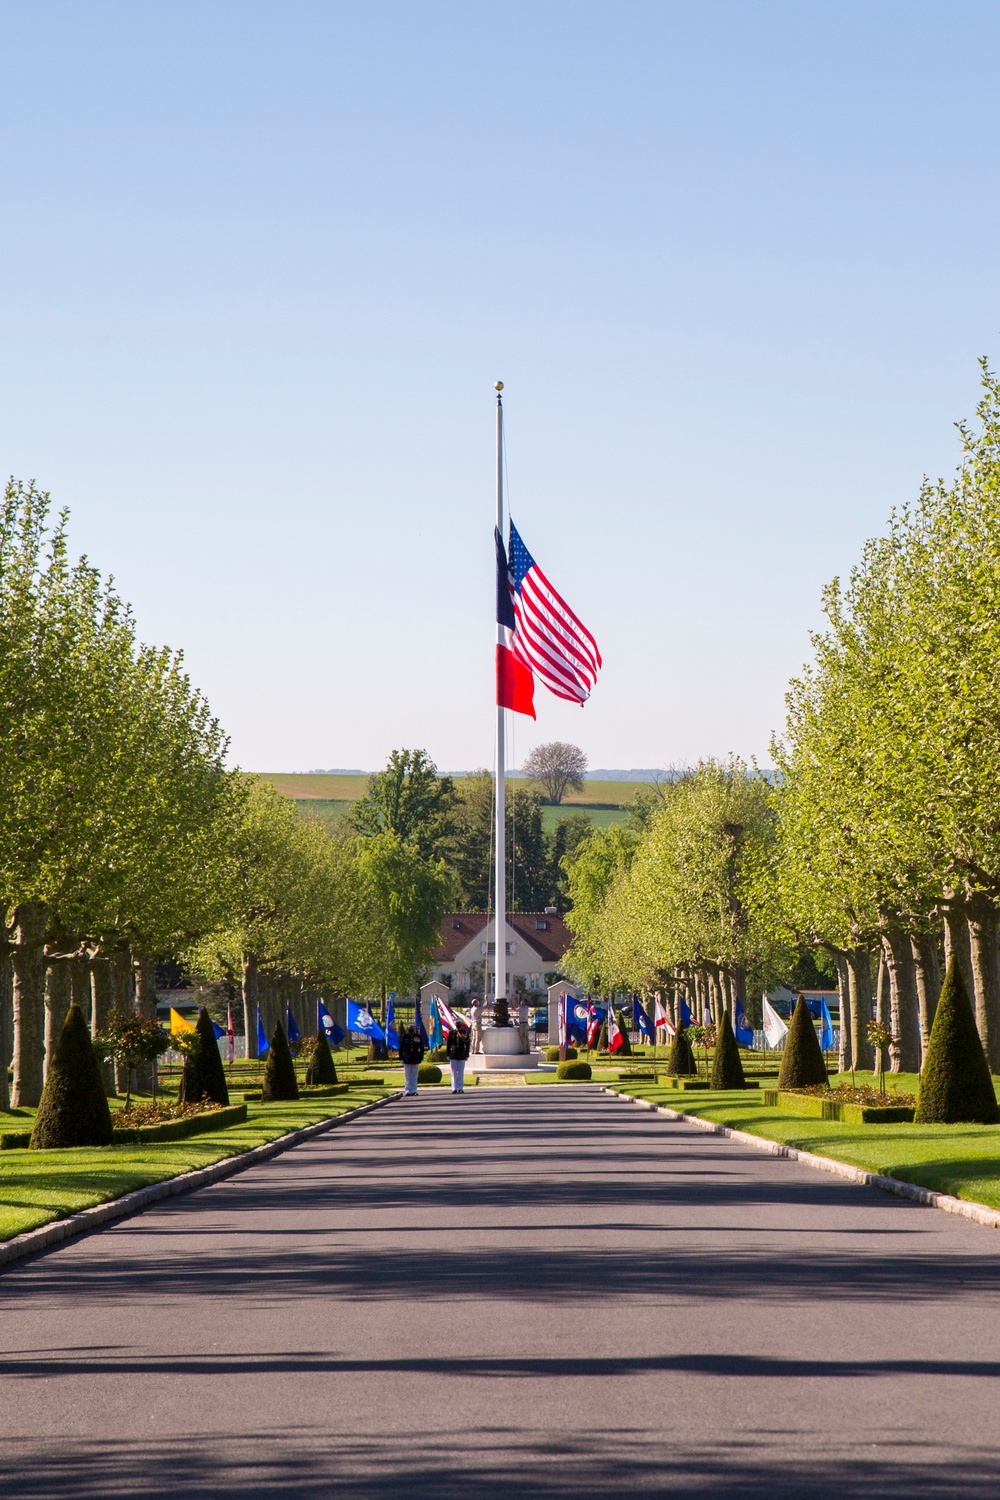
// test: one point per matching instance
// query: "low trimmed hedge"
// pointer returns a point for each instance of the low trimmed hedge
(311, 1091)
(573, 1072)
(819, 1108)
(138, 1135)
(552, 1054)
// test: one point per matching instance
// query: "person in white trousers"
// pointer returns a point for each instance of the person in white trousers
(476, 1013)
(457, 1048)
(411, 1055)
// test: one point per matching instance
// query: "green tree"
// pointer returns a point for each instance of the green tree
(410, 800)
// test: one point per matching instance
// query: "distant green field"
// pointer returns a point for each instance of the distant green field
(605, 797)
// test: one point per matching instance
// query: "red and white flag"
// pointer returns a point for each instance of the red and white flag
(543, 636)
(662, 1020)
(593, 1024)
(230, 1031)
(615, 1034)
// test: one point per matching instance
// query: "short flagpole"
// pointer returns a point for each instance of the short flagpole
(500, 875)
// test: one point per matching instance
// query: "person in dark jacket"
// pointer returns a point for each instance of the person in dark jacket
(457, 1047)
(411, 1055)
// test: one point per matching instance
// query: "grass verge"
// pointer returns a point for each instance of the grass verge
(963, 1160)
(37, 1187)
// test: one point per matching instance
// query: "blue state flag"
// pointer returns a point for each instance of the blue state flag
(219, 1030)
(686, 1016)
(641, 1020)
(742, 1028)
(418, 1022)
(826, 1027)
(391, 1034)
(334, 1034)
(263, 1045)
(293, 1031)
(361, 1020)
(577, 1017)
(437, 1034)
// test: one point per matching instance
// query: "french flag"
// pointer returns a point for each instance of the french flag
(615, 1036)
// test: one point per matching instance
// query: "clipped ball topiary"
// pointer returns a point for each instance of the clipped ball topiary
(552, 1054)
(955, 1082)
(279, 1070)
(322, 1068)
(428, 1073)
(577, 1071)
(74, 1108)
(203, 1076)
(680, 1058)
(802, 1062)
(727, 1069)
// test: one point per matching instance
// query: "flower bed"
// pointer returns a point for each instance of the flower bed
(823, 1104)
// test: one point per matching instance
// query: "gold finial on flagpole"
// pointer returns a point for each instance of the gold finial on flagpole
(498, 385)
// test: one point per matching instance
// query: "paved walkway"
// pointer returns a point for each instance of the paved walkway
(526, 1292)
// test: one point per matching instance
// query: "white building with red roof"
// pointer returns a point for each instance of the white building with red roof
(465, 960)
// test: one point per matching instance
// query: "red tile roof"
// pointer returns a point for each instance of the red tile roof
(460, 927)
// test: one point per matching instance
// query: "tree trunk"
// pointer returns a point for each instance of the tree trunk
(251, 997)
(6, 1028)
(844, 991)
(123, 990)
(102, 995)
(859, 982)
(29, 1004)
(982, 921)
(957, 945)
(58, 994)
(144, 983)
(928, 970)
(882, 1011)
(904, 1049)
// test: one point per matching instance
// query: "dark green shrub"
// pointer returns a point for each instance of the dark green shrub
(573, 1070)
(625, 1050)
(955, 1082)
(680, 1058)
(727, 1069)
(279, 1070)
(428, 1073)
(552, 1054)
(74, 1108)
(203, 1075)
(802, 1060)
(322, 1068)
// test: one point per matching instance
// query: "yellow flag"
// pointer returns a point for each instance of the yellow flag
(178, 1023)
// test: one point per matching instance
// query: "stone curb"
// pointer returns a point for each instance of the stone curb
(187, 1182)
(977, 1212)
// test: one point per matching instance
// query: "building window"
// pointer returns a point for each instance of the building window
(541, 925)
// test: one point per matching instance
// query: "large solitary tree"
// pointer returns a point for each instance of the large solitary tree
(558, 768)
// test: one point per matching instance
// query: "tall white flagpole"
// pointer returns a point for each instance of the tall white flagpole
(500, 873)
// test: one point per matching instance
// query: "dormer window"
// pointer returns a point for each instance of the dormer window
(541, 925)
(457, 926)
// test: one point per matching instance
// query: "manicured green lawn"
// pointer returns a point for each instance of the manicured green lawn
(963, 1160)
(38, 1186)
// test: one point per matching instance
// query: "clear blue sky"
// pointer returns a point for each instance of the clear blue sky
(261, 264)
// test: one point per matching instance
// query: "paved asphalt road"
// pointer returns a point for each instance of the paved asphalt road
(521, 1292)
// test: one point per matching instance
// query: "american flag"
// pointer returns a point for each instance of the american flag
(548, 637)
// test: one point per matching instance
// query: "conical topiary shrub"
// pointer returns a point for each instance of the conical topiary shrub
(625, 1050)
(727, 1068)
(955, 1082)
(802, 1060)
(680, 1059)
(279, 1071)
(203, 1076)
(74, 1109)
(322, 1068)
